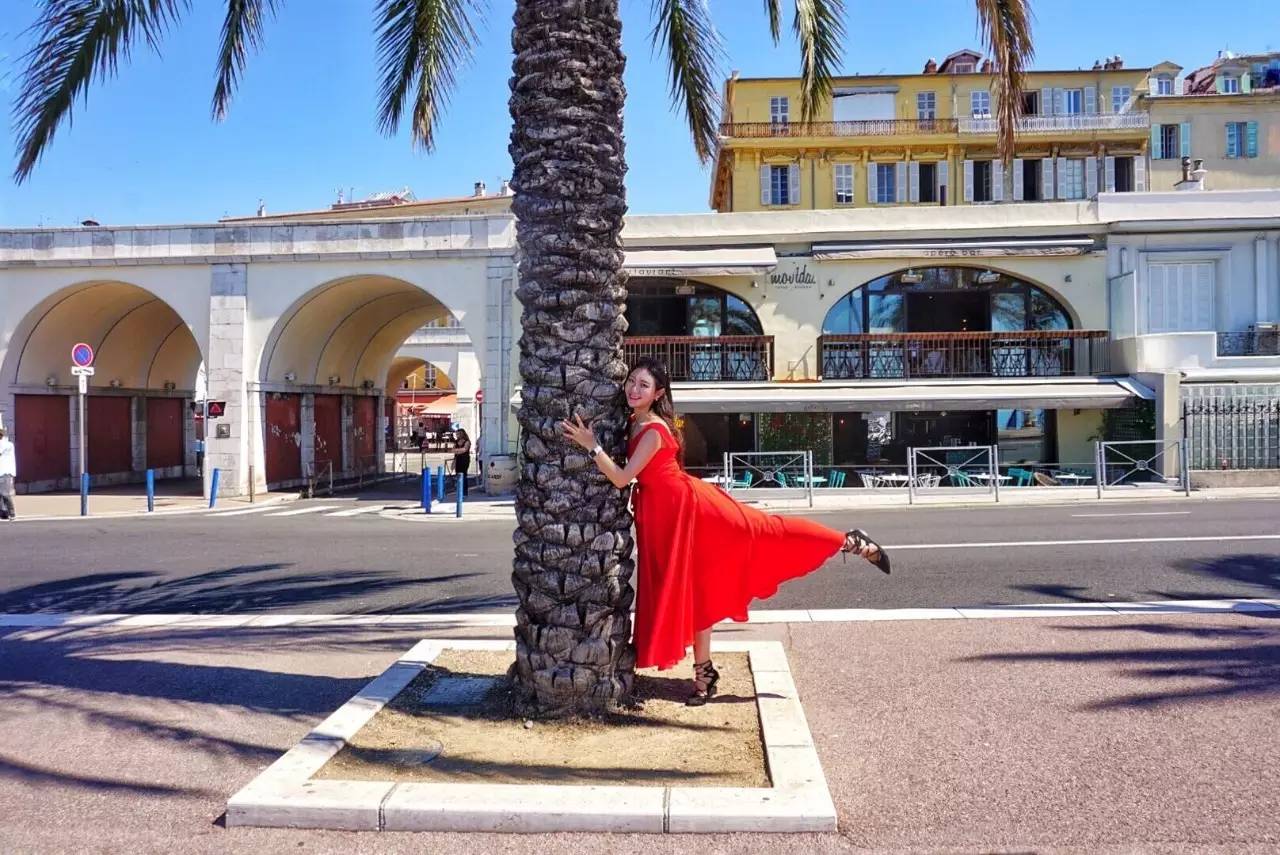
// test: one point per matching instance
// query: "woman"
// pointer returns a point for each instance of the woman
(461, 456)
(703, 556)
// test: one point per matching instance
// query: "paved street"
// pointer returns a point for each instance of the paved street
(339, 555)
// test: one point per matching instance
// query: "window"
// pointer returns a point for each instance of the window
(1169, 138)
(780, 186)
(980, 102)
(1120, 98)
(982, 181)
(1031, 180)
(1030, 103)
(1242, 139)
(963, 68)
(1071, 179)
(928, 187)
(1231, 85)
(886, 186)
(926, 106)
(844, 183)
(1124, 175)
(1164, 85)
(779, 110)
(1180, 296)
(1072, 102)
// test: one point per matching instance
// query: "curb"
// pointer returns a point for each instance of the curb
(169, 512)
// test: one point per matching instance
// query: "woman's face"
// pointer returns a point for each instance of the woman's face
(642, 390)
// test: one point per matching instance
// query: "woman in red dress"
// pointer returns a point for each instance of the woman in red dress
(703, 557)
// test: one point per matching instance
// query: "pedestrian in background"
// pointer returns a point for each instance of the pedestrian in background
(461, 456)
(8, 475)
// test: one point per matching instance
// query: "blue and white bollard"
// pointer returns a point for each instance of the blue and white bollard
(213, 487)
(84, 494)
(151, 490)
(440, 482)
(461, 486)
(426, 490)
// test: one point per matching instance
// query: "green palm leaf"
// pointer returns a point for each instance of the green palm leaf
(684, 28)
(241, 30)
(1006, 32)
(819, 25)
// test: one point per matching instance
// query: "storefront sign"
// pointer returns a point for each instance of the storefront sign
(959, 252)
(793, 277)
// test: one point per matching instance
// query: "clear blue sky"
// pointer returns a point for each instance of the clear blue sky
(144, 149)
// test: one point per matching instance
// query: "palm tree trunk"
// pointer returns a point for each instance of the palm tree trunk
(572, 567)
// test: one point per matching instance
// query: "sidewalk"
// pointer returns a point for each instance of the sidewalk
(1126, 732)
(129, 501)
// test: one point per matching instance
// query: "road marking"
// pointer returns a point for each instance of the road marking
(1144, 514)
(241, 513)
(355, 512)
(315, 510)
(1099, 542)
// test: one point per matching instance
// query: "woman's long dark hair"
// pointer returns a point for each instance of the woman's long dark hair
(664, 408)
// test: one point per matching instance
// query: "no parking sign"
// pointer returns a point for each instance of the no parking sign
(82, 355)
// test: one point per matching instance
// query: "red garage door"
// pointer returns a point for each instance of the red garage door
(283, 447)
(109, 426)
(164, 433)
(366, 437)
(42, 437)
(328, 434)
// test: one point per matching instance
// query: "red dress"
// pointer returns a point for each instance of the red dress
(704, 557)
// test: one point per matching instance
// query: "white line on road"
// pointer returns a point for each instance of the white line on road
(1144, 514)
(355, 512)
(1003, 543)
(241, 513)
(317, 509)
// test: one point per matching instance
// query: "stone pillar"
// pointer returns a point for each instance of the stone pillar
(139, 433)
(1168, 388)
(73, 401)
(496, 433)
(380, 425)
(189, 463)
(348, 430)
(307, 447)
(228, 372)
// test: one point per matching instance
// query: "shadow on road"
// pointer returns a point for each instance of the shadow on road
(1259, 572)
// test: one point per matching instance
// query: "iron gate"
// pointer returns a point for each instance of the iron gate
(750, 470)
(1232, 431)
(953, 466)
(1135, 462)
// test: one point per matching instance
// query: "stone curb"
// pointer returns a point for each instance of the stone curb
(285, 795)
(167, 512)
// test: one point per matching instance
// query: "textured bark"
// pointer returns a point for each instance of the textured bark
(573, 543)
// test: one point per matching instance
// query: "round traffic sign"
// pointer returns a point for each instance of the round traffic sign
(479, 397)
(82, 355)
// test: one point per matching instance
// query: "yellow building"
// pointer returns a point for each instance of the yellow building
(930, 139)
(1226, 114)
(397, 204)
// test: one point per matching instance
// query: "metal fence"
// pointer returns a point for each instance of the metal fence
(965, 467)
(770, 470)
(1142, 462)
(1232, 431)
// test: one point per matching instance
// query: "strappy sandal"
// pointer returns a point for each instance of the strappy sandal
(705, 680)
(856, 540)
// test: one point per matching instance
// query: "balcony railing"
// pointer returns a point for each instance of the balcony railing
(914, 356)
(1249, 343)
(1031, 125)
(862, 128)
(704, 358)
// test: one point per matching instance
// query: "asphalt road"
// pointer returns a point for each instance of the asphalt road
(318, 563)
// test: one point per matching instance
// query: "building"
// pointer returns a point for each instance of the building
(929, 139)
(1226, 115)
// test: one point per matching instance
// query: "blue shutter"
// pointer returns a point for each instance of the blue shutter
(1185, 134)
(1233, 139)
(1156, 151)
(1251, 139)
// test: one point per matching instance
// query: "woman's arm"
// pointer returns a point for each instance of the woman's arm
(463, 447)
(620, 476)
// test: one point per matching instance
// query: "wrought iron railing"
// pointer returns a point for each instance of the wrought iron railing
(705, 358)
(1249, 343)
(1134, 120)
(1049, 353)
(859, 128)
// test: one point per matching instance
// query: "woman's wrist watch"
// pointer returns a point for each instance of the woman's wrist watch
(597, 451)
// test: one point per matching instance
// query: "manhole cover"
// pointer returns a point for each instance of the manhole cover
(458, 691)
(413, 756)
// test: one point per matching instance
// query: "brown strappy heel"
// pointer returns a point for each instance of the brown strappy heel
(860, 540)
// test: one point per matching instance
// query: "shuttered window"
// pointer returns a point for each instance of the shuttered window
(1120, 98)
(886, 183)
(780, 184)
(1242, 139)
(980, 102)
(1180, 296)
(779, 110)
(844, 183)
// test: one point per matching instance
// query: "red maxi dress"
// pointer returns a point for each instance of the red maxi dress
(704, 557)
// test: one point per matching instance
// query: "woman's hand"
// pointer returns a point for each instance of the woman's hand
(578, 433)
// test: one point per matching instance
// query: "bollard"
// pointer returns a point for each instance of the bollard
(151, 490)
(461, 487)
(426, 490)
(440, 482)
(84, 494)
(213, 487)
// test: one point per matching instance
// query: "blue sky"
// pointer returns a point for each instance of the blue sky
(144, 150)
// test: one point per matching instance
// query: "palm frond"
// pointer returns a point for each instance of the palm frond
(692, 45)
(819, 26)
(1005, 27)
(76, 43)
(422, 44)
(242, 29)
(774, 9)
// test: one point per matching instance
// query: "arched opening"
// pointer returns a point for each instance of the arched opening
(702, 333)
(329, 372)
(422, 403)
(138, 413)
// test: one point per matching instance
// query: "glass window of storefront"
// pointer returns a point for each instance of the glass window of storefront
(681, 307)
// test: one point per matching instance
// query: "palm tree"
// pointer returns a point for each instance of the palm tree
(572, 568)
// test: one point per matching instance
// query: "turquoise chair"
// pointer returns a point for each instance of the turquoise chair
(960, 479)
(747, 478)
(835, 479)
(781, 479)
(1022, 477)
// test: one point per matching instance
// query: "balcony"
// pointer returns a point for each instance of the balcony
(918, 356)
(864, 128)
(706, 359)
(1033, 125)
(1263, 342)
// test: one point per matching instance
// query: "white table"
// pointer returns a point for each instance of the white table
(986, 476)
(893, 478)
(719, 480)
(816, 480)
(1071, 477)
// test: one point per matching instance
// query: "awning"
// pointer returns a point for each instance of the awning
(721, 261)
(963, 248)
(1084, 393)
(441, 406)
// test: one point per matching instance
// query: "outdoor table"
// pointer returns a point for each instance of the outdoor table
(894, 479)
(1071, 477)
(986, 476)
(719, 480)
(815, 480)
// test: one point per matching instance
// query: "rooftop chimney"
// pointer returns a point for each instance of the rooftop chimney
(479, 188)
(505, 189)
(262, 208)
(1097, 64)
(931, 67)
(1193, 173)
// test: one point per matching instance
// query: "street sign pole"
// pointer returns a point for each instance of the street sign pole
(82, 367)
